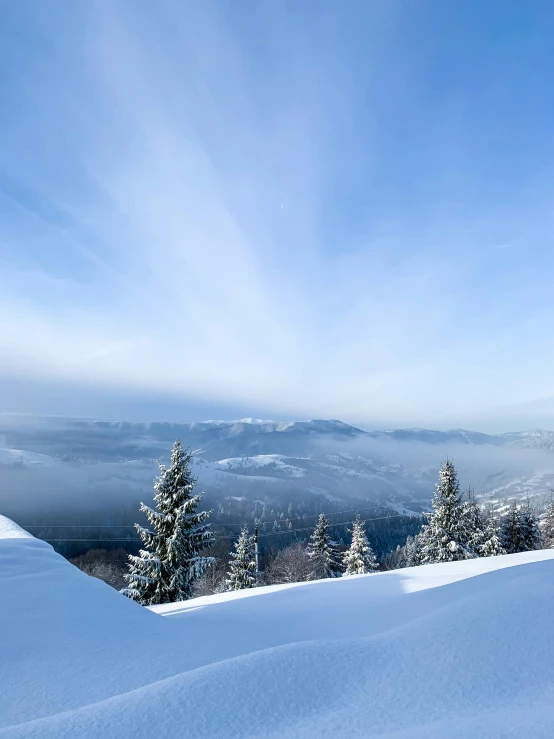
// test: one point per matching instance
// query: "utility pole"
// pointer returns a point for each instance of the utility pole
(256, 553)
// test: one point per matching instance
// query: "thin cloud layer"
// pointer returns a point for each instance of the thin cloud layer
(285, 207)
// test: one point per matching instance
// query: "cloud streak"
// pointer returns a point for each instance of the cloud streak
(263, 207)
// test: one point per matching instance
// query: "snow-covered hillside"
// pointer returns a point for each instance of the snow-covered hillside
(453, 650)
(24, 457)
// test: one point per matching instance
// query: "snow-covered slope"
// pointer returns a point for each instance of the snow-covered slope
(23, 457)
(535, 439)
(455, 650)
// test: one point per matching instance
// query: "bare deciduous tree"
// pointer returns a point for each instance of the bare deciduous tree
(109, 566)
(213, 580)
(289, 565)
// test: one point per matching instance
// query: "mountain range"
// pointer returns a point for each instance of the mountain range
(42, 459)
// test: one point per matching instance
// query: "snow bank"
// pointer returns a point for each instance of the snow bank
(10, 530)
(456, 650)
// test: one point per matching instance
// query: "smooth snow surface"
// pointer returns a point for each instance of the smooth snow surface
(10, 530)
(452, 651)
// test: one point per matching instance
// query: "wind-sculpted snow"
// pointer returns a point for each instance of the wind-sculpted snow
(454, 650)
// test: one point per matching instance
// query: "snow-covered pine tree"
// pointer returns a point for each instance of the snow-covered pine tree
(445, 537)
(242, 567)
(520, 529)
(492, 544)
(360, 558)
(530, 526)
(412, 551)
(164, 571)
(474, 523)
(323, 552)
(547, 526)
(511, 532)
(407, 556)
(399, 557)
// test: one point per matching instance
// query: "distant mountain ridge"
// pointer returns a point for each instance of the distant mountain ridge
(217, 430)
(260, 458)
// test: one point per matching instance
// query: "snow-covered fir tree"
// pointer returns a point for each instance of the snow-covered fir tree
(492, 544)
(475, 523)
(360, 558)
(323, 551)
(399, 557)
(242, 567)
(511, 531)
(547, 526)
(530, 525)
(165, 570)
(445, 538)
(520, 529)
(412, 552)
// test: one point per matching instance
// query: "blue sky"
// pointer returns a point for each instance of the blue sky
(286, 209)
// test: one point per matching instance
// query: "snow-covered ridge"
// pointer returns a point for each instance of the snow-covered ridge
(534, 438)
(411, 654)
(10, 530)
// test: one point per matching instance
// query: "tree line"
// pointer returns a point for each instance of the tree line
(321, 558)
(176, 559)
(172, 558)
(459, 528)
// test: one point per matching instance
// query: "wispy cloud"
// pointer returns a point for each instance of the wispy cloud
(278, 206)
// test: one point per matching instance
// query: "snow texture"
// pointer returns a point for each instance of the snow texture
(446, 650)
(10, 530)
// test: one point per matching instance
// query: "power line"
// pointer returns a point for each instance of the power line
(220, 537)
(215, 524)
(106, 541)
(310, 528)
(225, 525)
(317, 515)
(80, 526)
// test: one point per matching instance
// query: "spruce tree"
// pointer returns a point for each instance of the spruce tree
(323, 552)
(511, 533)
(520, 529)
(399, 557)
(530, 526)
(412, 551)
(164, 571)
(475, 523)
(360, 558)
(242, 567)
(492, 544)
(445, 538)
(548, 526)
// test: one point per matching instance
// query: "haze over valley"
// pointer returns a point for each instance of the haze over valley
(52, 464)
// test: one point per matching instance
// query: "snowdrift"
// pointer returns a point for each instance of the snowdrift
(456, 650)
